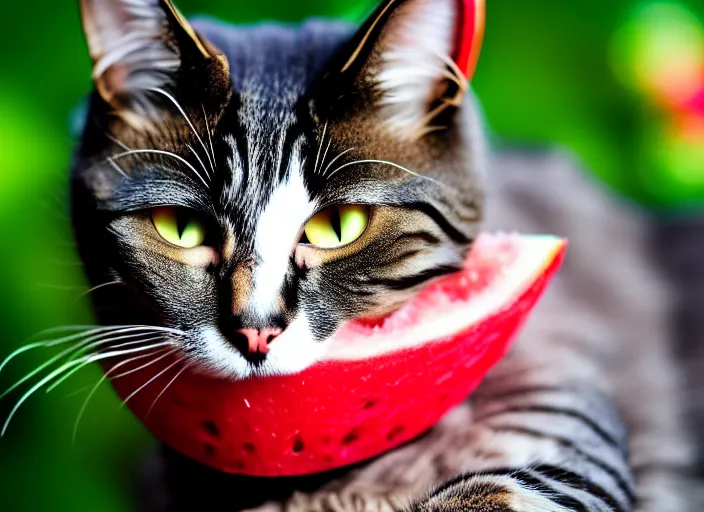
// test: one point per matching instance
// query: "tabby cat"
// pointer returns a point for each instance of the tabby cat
(256, 187)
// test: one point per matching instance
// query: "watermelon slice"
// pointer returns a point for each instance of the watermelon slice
(380, 384)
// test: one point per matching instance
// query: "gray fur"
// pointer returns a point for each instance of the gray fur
(678, 244)
(607, 315)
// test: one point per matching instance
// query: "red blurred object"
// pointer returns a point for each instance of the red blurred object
(471, 35)
(695, 104)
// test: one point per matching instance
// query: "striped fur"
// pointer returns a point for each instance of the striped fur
(583, 415)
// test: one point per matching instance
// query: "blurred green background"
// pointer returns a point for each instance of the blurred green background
(620, 82)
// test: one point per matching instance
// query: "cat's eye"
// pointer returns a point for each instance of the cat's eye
(337, 225)
(178, 226)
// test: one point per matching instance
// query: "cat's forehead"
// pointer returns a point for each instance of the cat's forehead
(264, 145)
(265, 196)
(273, 61)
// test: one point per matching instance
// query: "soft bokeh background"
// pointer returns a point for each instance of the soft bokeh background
(621, 82)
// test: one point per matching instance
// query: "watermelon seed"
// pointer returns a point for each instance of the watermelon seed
(211, 428)
(351, 437)
(249, 447)
(209, 450)
(395, 432)
(298, 445)
(371, 403)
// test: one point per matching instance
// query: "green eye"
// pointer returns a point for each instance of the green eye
(337, 225)
(179, 227)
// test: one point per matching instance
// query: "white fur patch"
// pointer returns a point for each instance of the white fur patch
(236, 166)
(277, 233)
(291, 352)
(528, 500)
(295, 349)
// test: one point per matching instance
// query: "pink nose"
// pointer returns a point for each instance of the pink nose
(258, 339)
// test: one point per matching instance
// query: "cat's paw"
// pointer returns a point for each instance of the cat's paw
(484, 493)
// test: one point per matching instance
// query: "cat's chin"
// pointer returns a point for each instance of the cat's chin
(293, 351)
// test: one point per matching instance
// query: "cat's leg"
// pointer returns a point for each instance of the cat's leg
(546, 438)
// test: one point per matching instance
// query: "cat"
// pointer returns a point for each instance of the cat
(207, 149)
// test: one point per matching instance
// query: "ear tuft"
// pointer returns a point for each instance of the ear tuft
(415, 61)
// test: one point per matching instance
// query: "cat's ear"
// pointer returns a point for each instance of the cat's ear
(410, 63)
(142, 48)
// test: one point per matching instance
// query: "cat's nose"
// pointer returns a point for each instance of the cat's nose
(257, 340)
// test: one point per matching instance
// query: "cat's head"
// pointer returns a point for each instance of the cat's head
(255, 188)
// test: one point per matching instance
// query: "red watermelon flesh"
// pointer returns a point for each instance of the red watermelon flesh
(380, 384)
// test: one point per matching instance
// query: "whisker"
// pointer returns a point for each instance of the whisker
(207, 129)
(335, 159)
(140, 388)
(97, 327)
(320, 147)
(104, 376)
(164, 153)
(119, 169)
(114, 165)
(64, 367)
(325, 155)
(116, 141)
(65, 339)
(149, 411)
(133, 370)
(80, 367)
(93, 330)
(381, 162)
(199, 160)
(83, 408)
(98, 287)
(183, 113)
(88, 343)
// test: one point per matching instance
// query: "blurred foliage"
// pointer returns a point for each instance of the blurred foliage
(584, 74)
(658, 54)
